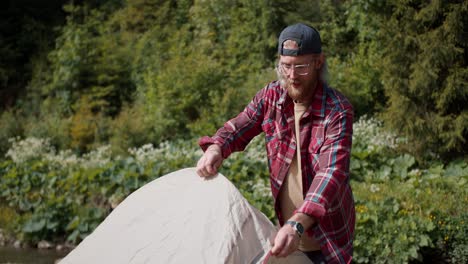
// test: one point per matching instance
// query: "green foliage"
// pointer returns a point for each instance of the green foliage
(386, 233)
(85, 126)
(90, 61)
(403, 209)
(8, 218)
(403, 216)
(451, 236)
(61, 196)
(424, 49)
(349, 39)
(193, 74)
(190, 65)
(9, 128)
(374, 153)
(130, 128)
(175, 103)
(402, 221)
(131, 73)
(26, 32)
(50, 124)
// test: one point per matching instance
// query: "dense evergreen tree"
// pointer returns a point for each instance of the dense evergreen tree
(425, 74)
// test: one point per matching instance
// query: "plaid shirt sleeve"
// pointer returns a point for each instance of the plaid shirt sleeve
(237, 132)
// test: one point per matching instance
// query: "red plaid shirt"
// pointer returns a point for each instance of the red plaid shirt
(326, 133)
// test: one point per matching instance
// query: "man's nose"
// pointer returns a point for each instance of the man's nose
(292, 73)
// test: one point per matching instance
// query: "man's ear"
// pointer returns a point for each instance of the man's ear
(319, 61)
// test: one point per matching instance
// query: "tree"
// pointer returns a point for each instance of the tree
(26, 34)
(425, 74)
(349, 31)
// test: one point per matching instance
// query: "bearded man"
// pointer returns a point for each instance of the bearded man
(308, 133)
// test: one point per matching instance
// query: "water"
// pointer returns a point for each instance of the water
(29, 256)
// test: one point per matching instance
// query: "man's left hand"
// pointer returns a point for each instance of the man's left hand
(286, 242)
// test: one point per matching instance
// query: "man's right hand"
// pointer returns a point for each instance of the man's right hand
(210, 161)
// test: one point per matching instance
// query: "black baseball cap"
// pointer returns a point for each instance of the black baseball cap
(306, 37)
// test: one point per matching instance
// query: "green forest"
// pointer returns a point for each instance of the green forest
(99, 97)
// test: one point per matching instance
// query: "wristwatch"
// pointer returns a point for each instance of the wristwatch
(297, 227)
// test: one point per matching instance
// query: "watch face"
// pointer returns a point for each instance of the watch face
(300, 228)
(297, 227)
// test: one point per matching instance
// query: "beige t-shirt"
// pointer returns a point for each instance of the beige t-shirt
(290, 195)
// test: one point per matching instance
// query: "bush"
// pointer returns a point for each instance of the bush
(130, 128)
(405, 212)
(9, 128)
(387, 233)
(402, 221)
(62, 196)
(374, 155)
(49, 124)
(402, 208)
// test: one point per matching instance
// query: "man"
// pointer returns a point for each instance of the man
(308, 132)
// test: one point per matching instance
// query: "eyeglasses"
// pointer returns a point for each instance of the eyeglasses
(302, 69)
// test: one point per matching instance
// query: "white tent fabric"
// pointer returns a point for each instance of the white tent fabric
(182, 218)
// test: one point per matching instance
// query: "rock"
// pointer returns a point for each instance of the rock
(2, 238)
(114, 202)
(64, 247)
(17, 244)
(44, 245)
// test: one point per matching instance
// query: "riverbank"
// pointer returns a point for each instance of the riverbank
(10, 254)
(14, 251)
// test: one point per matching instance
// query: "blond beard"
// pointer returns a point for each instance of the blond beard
(295, 94)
